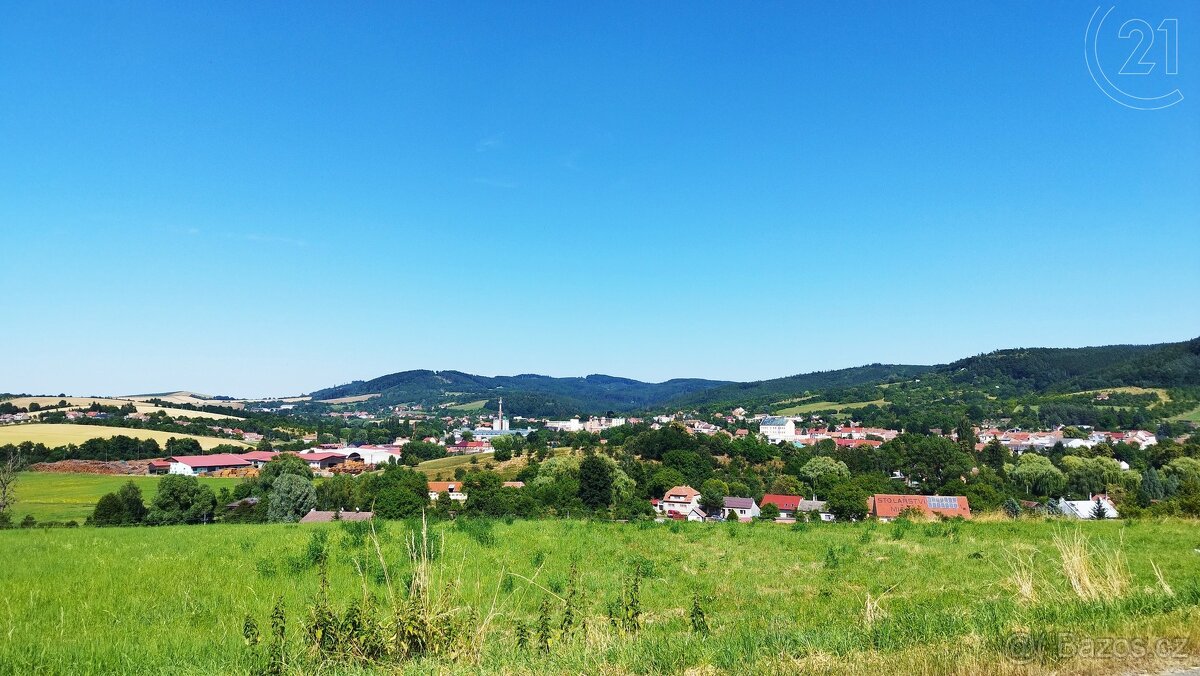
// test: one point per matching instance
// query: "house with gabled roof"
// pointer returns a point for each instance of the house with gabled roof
(742, 509)
(888, 507)
(451, 488)
(679, 500)
(1086, 509)
(793, 506)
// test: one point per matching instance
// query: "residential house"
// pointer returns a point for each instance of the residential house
(787, 504)
(453, 488)
(888, 507)
(743, 509)
(682, 501)
(1086, 509)
(814, 507)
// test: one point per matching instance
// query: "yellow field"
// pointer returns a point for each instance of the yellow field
(190, 398)
(60, 435)
(812, 406)
(184, 413)
(83, 402)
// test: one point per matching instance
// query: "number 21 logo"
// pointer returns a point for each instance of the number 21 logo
(1142, 60)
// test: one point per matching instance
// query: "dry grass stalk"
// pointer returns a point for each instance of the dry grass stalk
(1095, 574)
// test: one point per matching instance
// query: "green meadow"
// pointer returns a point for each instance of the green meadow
(939, 597)
(53, 496)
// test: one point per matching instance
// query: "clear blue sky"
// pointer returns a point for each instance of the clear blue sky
(269, 199)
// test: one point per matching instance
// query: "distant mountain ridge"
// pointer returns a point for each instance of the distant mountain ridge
(1036, 370)
(526, 394)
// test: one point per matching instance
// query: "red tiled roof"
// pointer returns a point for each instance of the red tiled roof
(258, 455)
(681, 493)
(445, 486)
(318, 457)
(890, 506)
(788, 502)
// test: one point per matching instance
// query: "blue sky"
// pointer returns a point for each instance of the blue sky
(273, 198)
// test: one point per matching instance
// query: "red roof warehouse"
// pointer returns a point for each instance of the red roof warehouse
(890, 506)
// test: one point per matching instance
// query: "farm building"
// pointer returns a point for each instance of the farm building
(191, 465)
(323, 460)
(371, 455)
(888, 507)
(258, 458)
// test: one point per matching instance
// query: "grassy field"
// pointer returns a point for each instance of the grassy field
(82, 402)
(469, 406)
(825, 598)
(1191, 416)
(445, 467)
(53, 496)
(1163, 396)
(813, 406)
(60, 435)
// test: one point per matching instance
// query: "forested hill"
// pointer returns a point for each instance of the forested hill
(1003, 373)
(527, 394)
(758, 392)
(1086, 368)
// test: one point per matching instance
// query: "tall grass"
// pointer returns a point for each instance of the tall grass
(428, 598)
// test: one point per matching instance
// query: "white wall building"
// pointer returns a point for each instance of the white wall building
(777, 428)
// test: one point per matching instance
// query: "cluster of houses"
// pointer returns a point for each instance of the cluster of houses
(683, 503)
(1019, 441)
(783, 429)
(322, 460)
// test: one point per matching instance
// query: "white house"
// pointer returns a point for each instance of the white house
(777, 428)
(1084, 509)
(742, 509)
(682, 501)
(452, 488)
